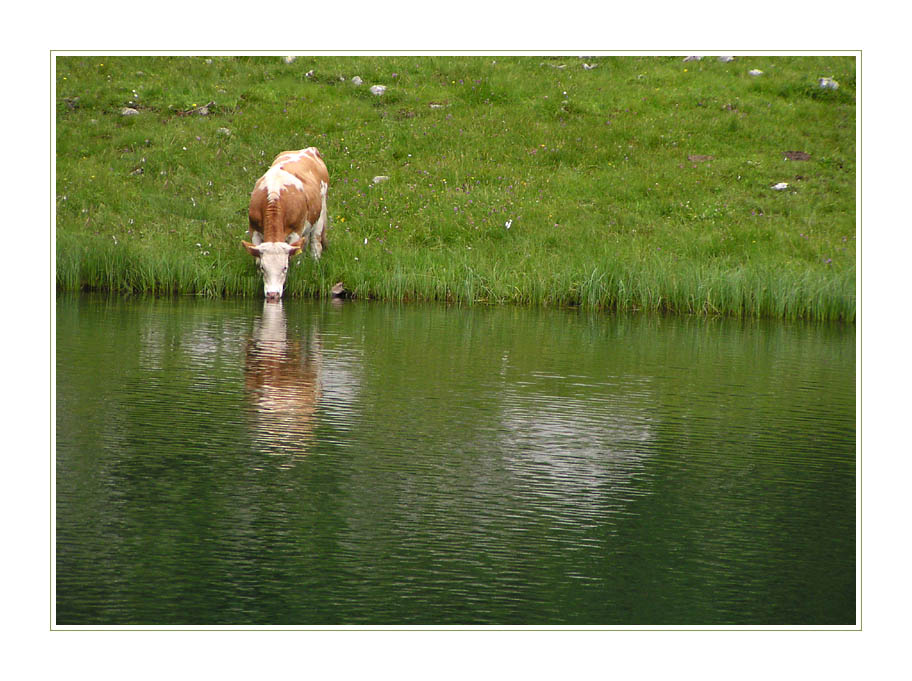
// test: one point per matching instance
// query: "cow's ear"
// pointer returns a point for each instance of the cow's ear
(253, 250)
(295, 248)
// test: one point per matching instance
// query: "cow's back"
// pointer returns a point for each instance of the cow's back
(288, 193)
(306, 164)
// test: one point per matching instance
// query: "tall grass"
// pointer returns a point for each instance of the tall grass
(641, 184)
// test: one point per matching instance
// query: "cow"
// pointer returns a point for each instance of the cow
(287, 208)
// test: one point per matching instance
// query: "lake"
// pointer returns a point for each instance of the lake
(318, 463)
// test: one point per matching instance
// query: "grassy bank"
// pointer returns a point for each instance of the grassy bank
(642, 183)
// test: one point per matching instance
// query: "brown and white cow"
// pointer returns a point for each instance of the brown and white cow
(287, 208)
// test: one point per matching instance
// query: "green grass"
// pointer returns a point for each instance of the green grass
(590, 166)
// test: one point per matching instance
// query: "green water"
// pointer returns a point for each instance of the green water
(232, 462)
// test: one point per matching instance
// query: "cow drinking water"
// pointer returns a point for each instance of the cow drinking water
(287, 209)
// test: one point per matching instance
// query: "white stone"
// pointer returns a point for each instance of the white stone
(780, 186)
(378, 89)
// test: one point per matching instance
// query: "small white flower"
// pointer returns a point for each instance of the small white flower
(365, 241)
(508, 223)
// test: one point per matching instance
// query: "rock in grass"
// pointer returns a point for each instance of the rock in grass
(693, 57)
(129, 111)
(378, 89)
(755, 72)
(380, 178)
(357, 80)
(780, 186)
(828, 84)
(726, 58)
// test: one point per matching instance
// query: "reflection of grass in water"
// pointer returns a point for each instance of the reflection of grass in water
(611, 199)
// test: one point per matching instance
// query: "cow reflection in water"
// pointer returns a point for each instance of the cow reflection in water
(283, 381)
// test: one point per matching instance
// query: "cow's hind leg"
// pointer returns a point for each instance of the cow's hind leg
(318, 237)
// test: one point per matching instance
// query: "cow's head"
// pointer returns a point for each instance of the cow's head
(273, 258)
